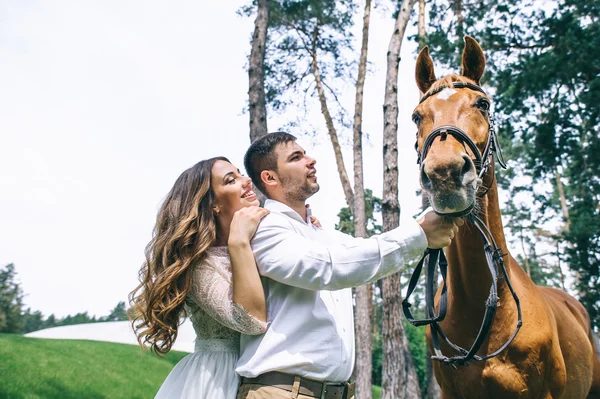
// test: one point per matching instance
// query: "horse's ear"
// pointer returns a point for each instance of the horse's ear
(473, 60)
(424, 74)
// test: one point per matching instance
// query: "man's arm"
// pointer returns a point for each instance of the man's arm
(287, 257)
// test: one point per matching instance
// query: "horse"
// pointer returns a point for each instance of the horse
(553, 355)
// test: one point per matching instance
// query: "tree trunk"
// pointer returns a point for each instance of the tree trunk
(567, 226)
(339, 160)
(363, 318)
(459, 30)
(459, 19)
(256, 73)
(421, 25)
(563, 201)
(433, 388)
(399, 376)
(559, 267)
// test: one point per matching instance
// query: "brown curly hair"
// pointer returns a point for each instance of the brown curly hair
(185, 228)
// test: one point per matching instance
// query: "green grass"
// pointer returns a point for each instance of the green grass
(71, 369)
(32, 368)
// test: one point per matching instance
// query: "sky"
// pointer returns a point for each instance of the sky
(104, 104)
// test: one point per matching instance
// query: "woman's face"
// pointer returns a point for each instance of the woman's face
(233, 191)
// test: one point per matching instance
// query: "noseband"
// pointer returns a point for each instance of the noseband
(493, 254)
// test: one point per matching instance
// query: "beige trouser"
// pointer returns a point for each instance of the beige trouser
(257, 391)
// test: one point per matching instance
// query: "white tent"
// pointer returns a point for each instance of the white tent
(114, 331)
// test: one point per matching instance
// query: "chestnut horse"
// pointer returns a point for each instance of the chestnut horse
(553, 355)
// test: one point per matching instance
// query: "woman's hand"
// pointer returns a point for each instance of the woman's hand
(315, 222)
(313, 219)
(244, 224)
(247, 288)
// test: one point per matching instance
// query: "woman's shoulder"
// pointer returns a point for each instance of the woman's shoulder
(216, 259)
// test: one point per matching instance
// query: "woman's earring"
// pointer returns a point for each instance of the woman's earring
(216, 210)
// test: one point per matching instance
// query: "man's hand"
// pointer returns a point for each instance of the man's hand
(440, 230)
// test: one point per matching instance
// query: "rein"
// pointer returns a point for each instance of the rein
(493, 255)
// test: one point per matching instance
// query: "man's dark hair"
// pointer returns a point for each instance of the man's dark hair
(261, 156)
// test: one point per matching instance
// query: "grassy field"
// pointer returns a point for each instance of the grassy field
(69, 369)
(33, 368)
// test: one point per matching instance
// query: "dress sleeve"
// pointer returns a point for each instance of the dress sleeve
(212, 291)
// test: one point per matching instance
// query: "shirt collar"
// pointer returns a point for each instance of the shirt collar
(280, 207)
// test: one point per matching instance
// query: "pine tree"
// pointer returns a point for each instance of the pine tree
(11, 301)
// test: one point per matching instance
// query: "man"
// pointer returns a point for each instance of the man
(308, 350)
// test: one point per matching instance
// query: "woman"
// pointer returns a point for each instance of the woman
(200, 258)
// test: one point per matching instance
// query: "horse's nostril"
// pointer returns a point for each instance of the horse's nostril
(425, 181)
(468, 168)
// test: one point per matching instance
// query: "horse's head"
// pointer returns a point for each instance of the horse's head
(454, 138)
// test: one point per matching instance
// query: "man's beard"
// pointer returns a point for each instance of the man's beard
(296, 191)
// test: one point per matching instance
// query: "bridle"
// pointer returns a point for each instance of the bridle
(483, 161)
(494, 257)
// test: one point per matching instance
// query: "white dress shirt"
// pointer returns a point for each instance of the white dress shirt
(309, 272)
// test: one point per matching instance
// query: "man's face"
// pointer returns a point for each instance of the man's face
(296, 172)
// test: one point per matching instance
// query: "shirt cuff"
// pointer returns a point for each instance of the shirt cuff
(411, 237)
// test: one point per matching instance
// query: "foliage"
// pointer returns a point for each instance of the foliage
(11, 301)
(545, 77)
(525, 235)
(298, 31)
(372, 215)
(15, 319)
(69, 369)
(34, 321)
(376, 391)
(377, 358)
(119, 313)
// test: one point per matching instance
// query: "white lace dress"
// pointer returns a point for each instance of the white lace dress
(209, 372)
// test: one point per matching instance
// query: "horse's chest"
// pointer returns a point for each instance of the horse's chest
(494, 381)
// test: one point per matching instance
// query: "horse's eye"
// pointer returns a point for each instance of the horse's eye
(483, 104)
(416, 118)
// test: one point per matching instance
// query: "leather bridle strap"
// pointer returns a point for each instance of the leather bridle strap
(482, 161)
(456, 85)
(432, 263)
(495, 263)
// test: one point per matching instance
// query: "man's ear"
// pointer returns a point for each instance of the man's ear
(269, 178)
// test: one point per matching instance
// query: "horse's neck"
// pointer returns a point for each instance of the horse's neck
(469, 277)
